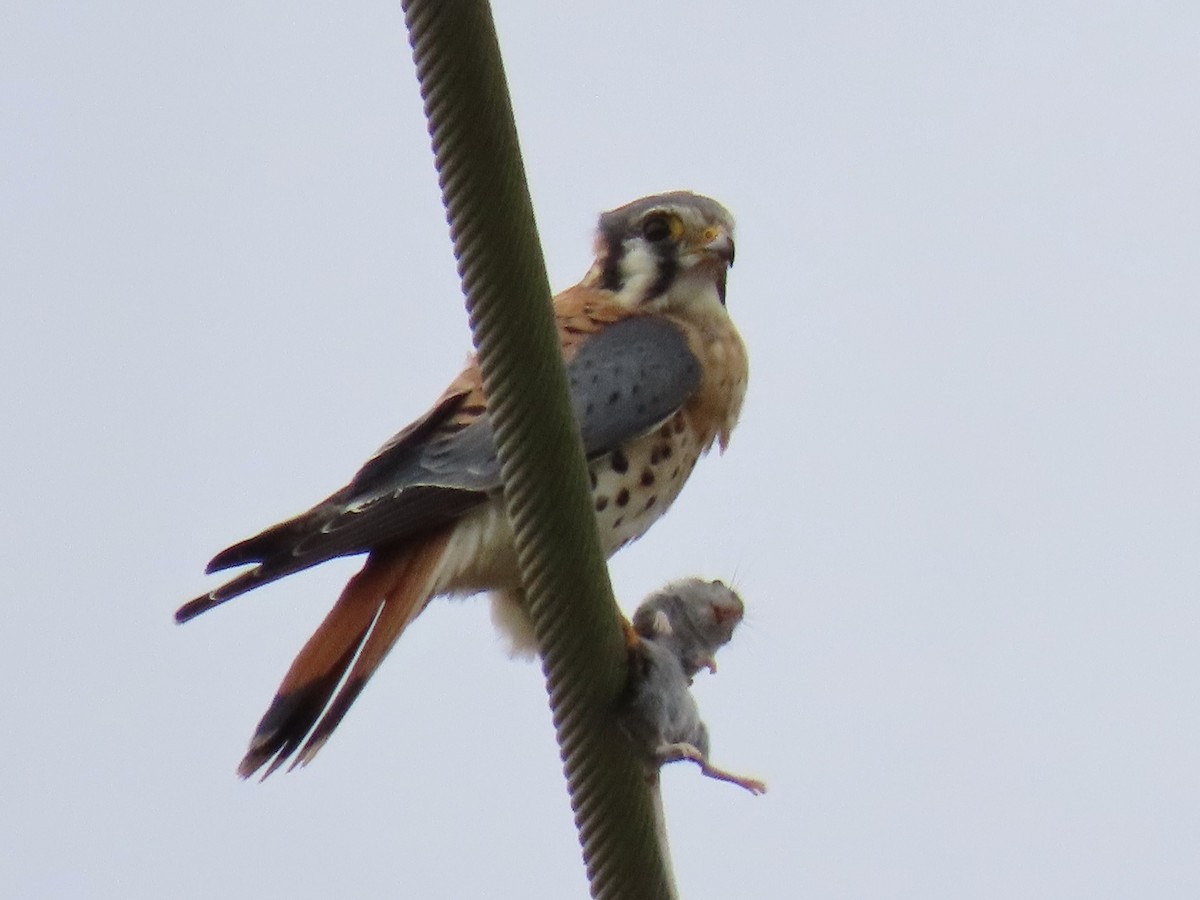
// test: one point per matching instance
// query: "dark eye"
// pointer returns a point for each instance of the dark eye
(656, 228)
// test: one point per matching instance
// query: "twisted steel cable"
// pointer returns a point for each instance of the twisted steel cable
(569, 596)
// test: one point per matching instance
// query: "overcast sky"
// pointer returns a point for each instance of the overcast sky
(963, 504)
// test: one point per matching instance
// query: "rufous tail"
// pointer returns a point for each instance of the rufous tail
(375, 607)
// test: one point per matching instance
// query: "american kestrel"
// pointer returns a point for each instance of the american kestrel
(657, 373)
(681, 627)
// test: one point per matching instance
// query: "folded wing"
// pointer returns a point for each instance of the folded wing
(624, 380)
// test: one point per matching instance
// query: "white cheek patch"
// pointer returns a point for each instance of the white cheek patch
(639, 272)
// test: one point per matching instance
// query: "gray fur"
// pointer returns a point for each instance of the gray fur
(681, 626)
(662, 710)
(696, 631)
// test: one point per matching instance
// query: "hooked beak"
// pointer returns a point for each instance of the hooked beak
(719, 243)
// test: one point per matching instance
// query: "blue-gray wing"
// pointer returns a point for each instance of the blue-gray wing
(628, 379)
(624, 381)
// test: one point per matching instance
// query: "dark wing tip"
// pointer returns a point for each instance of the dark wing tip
(245, 582)
(277, 541)
(193, 608)
(247, 551)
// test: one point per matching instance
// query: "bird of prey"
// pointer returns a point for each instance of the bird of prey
(657, 373)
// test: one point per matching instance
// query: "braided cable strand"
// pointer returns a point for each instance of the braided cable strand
(569, 596)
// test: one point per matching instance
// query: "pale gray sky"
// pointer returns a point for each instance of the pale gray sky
(963, 504)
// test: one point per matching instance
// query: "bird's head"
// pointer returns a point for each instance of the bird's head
(666, 252)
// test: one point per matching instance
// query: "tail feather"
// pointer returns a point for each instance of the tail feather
(389, 591)
(278, 735)
(407, 598)
(316, 672)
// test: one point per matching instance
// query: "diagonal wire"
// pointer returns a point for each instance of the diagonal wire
(569, 596)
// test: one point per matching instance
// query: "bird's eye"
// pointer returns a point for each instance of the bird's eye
(656, 228)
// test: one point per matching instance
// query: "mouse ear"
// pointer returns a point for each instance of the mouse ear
(662, 624)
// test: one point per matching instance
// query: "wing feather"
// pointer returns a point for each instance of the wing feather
(626, 377)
